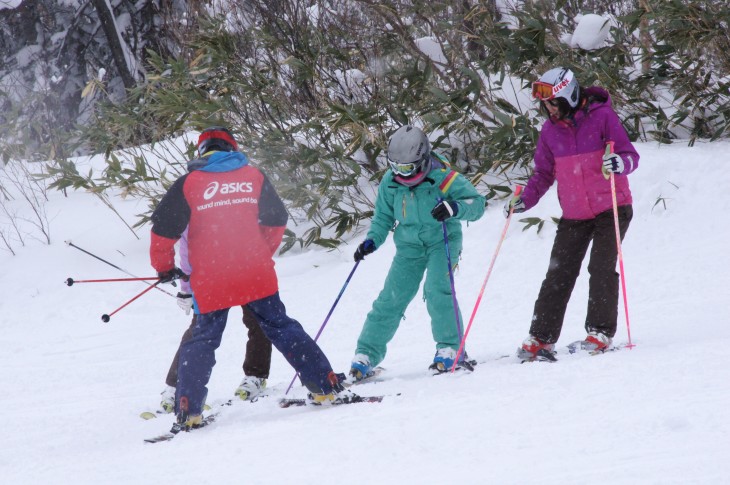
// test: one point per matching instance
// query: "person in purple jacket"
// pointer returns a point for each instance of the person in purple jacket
(572, 150)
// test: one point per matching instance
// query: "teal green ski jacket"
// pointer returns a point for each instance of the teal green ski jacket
(408, 209)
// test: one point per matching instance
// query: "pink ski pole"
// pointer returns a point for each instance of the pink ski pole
(609, 150)
(518, 190)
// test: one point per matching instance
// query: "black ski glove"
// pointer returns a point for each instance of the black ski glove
(444, 210)
(366, 247)
(171, 275)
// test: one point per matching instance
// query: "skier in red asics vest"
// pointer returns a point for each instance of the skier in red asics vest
(235, 223)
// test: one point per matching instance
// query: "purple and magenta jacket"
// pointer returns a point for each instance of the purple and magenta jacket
(571, 152)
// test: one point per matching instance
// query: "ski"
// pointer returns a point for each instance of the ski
(438, 368)
(590, 349)
(371, 376)
(493, 359)
(287, 402)
(147, 415)
(578, 346)
(177, 428)
(543, 355)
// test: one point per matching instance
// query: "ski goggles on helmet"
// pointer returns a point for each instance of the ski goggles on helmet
(542, 91)
(406, 169)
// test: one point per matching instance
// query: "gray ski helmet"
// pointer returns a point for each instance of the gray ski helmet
(559, 82)
(408, 150)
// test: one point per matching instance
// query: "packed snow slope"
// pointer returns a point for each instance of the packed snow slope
(73, 387)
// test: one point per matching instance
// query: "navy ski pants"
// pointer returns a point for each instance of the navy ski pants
(197, 355)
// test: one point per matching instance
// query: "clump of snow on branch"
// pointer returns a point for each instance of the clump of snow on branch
(432, 49)
(352, 82)
(591, 32)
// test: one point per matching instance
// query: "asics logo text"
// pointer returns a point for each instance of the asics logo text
(230, 188)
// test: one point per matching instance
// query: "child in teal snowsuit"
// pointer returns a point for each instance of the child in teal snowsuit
(418, 194)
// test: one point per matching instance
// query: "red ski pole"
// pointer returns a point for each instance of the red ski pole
(70, 243)
(71, 281)
(518, 190)
(105, 318)
(609, 150)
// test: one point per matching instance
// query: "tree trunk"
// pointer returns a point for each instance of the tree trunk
(106, 17)
(645, 38)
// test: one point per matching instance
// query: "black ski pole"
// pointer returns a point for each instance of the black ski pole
(114, 266)
(97, 257)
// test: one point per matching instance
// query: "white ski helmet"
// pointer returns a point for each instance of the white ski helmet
(559, 82)
(408, 151)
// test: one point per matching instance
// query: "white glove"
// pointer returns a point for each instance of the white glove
(516, 204)
(612, 162)
(185, 302)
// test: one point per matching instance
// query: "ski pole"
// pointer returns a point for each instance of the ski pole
(518, 190)
(609, 150)
(70, 243)
(97, 257)
(105, 318)
(327, 319)
(71, 281)
(451, 280)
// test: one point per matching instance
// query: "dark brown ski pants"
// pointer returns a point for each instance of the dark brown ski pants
(571, 244)
(257, 361)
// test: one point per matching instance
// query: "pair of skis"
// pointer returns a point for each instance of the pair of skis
(147, 415)
(287, 402)
(181, 428)
(544, 355)
(372, 376)
(283, 403)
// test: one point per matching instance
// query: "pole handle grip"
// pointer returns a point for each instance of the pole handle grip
(609, 147)
(609, 150)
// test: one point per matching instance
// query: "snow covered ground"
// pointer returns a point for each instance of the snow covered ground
(73, 387)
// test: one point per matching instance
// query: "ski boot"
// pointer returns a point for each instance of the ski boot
(595, 343)
(360, 367)
(443, 361)
(184, 421)
(338, 394)
(168, 399)
(534, 349)
(250, 387)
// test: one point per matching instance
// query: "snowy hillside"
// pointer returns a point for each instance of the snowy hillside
(73, 387)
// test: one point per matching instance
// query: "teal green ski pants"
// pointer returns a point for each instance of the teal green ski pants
(401, 286)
